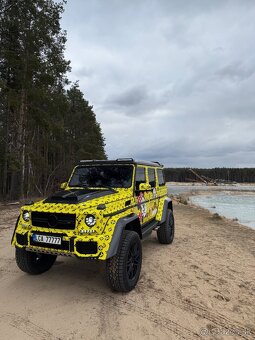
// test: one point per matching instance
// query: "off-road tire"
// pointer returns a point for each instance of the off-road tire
(121, 275)
(34, 263)
(166, 231)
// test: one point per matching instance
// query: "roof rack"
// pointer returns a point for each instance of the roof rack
(89, 160)
(120, 161)
(124, 159)
(157, 163)
(102, 160)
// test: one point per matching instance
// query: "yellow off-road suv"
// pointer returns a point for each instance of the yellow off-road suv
(103, 212)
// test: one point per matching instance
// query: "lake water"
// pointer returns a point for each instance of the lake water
(240, 206)
(234, 202)
(185, 188)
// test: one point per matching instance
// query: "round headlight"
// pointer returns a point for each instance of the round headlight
(26, 215)
(90, 220)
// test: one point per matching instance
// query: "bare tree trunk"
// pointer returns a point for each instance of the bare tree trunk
(6, 152)
(22, 139)
(30, 165)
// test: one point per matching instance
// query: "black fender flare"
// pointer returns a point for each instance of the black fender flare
(16, 225)
(116, 237)
(168, 205)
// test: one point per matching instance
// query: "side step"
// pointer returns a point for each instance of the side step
(146, 230)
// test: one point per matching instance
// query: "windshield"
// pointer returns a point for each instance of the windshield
(114, 176)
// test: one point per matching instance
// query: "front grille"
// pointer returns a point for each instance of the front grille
(53, 220)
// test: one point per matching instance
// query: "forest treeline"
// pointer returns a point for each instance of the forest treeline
(240, 175)
(46, 125)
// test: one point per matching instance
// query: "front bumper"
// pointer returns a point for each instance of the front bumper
(88, 246)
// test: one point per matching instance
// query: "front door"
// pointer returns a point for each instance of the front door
(147, 202)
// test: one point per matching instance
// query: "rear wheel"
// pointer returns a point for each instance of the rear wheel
(34, 263)
(123, 269)
(166, 231)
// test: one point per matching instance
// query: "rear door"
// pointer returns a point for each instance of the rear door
(161, 187)
(153, 203)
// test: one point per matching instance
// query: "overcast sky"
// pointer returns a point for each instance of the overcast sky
(172, 80)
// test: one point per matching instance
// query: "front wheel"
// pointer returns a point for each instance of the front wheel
(34, 263)
(123, 269)
(166, 231)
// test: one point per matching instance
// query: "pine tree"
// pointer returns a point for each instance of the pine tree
(84, 133)
(39, 120)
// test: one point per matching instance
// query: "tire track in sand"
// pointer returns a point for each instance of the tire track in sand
(203, 312)
(27, 327)
(120, 302)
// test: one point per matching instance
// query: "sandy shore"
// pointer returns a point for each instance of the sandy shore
(201, 285)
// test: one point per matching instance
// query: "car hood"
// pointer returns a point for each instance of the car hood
(79, 200)
(75, 196)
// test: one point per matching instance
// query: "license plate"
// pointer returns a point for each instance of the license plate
(46, 239)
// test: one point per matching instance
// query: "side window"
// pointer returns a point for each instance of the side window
(139, 177)
(161, 180)
(152, 178)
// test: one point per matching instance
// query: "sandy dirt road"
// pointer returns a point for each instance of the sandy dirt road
(201, 285)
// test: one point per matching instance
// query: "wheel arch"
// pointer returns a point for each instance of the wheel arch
(168, 205)
(14, 231)
(125, 223)
(134, 225)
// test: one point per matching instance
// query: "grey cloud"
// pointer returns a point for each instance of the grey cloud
(236, 71)
(138, 101)
(82, 72)
(181, 151)
(169, 80)
(131, 97)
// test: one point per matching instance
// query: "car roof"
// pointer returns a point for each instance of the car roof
(119, 161)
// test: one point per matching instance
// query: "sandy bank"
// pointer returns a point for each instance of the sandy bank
(202, 283)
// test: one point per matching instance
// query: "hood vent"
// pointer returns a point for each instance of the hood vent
(76, 196)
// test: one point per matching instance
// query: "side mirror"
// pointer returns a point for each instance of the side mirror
(63, 185)
(144, 187)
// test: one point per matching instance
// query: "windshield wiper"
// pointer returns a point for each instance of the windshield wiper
(92, 187)
(107, 187)
(75, 187)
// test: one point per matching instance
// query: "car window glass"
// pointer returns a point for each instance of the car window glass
(119, 176)
(152, 179)
(161, 180)
(139, 177)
